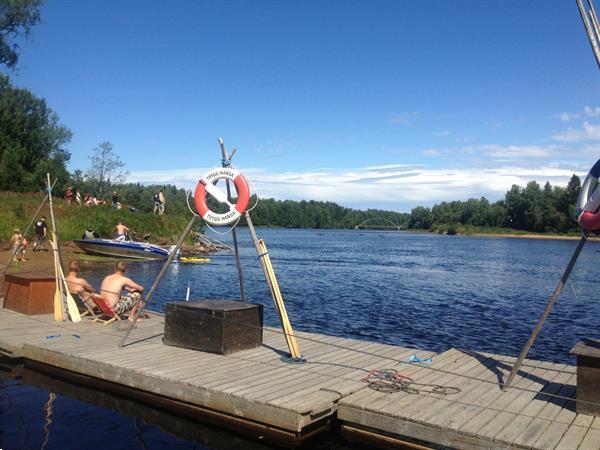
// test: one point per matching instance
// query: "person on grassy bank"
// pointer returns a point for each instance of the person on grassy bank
(41, 230)
(16, 242)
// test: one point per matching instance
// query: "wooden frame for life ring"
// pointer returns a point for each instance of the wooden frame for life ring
(206, 185)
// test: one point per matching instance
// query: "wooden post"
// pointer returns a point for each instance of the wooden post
(263, 255)
(227, 158)
(551, 302)
(62, 315)
(158, 278)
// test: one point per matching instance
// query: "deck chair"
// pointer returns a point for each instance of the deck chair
(84, 308)
(107, 313)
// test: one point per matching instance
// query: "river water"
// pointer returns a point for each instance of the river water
(416, 290)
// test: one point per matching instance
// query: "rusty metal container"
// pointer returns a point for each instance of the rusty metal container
(588, 376)
(29, 293)
(215, 326)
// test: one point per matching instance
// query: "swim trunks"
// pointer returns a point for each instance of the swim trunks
(126, 302)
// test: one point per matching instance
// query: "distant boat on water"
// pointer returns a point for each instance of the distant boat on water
(122, 249)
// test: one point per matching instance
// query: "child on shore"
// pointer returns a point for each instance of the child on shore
(17, 245)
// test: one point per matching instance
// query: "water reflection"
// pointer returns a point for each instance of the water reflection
(41, 411)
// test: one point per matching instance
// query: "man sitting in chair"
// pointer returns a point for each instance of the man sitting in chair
(79, 286)
(114, 284)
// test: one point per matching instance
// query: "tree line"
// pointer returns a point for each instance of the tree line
(529, 208)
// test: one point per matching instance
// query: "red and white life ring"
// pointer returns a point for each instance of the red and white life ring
(588, 204)
(206, 186)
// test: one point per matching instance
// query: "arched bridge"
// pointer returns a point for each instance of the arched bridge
(380, 223)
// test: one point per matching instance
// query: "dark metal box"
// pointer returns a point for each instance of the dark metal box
(588, 376)
(216, 326)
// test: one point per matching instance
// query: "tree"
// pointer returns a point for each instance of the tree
(32, 141)
(16, 19)
(106, 169)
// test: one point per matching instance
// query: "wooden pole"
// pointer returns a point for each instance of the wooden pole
(551, 302)
(277, 298)
(158, 278)
(62, 314)
(226, 159)
(66, 300)
(14, 253)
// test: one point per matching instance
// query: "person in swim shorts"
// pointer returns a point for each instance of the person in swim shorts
(113, 287)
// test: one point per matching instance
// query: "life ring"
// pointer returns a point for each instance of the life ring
(206, 185)
(588, 202)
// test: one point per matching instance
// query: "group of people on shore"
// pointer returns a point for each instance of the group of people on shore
(115, 201)
(111, 289)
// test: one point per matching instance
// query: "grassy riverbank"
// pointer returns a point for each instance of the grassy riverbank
(18, 208)
(467, 230)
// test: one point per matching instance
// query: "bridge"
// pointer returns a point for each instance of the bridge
(380, 223)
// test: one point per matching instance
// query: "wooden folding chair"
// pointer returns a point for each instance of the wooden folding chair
(107, 313)
(84, 308)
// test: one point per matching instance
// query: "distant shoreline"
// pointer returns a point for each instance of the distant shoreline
(549, 237)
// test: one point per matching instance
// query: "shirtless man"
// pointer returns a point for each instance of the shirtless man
(114, 284)
(122, 232)
(79, 286)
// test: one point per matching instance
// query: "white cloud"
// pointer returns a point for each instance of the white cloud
(404, 118)
(587, 132)
(431, 152)
(568, 117)
(441, 133)
(393, 186)
(592, 112)
(588, 111)
(517, 151)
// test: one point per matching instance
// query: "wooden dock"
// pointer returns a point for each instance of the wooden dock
(254, 391)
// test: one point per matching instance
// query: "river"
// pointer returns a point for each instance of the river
(418, 290)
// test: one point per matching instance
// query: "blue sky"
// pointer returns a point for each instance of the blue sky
(387, 104)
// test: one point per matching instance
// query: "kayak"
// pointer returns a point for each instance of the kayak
(193, 260)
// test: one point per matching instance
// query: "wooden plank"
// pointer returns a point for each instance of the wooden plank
(404, 428)
(397, 403)
(555, 405)
(326, 376)
(451, 415)
(572, 438)
(591, 441)
(551, 436)
(336, 386)
(391, 404)
(515, 428)
(583, 420)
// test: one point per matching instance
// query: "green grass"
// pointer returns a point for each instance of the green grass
(18, 208)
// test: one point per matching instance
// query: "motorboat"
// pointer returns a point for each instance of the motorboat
(122, 249)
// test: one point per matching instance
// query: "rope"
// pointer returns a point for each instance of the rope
(187, 200)
(389, 381)
(224, 232)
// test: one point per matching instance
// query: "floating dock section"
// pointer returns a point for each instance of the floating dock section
(256, 392)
